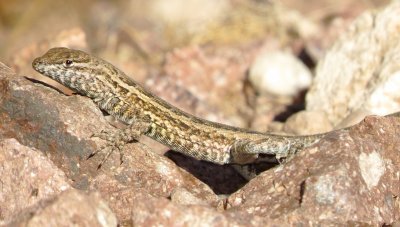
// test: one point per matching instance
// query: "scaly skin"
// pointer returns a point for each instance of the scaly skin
(123, 98)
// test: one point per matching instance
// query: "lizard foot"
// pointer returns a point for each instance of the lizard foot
(117, 139)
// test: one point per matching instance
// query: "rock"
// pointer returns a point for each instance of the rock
(227, 181)
(144, 171)
(41, 117)
(150, 211)
(279, 73)
(353, 118)
(62, 128)
(70, 208)
(184, 197)
(306, 123)
(189, 16)
(348, 177)
(360, 73)
(396, 223)
(355, 171)
(267, 112)
(331, 21)
(206, 82)
(27, 176)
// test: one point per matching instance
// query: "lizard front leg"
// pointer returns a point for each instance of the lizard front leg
(117, 139)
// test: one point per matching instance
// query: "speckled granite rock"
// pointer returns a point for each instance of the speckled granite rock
(361, 72)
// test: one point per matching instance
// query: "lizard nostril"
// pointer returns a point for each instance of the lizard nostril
(36, 62)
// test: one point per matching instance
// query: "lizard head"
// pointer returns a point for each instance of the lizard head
(59, 60)
(74, 69)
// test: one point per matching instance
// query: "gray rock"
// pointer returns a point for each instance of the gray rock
(361, 72)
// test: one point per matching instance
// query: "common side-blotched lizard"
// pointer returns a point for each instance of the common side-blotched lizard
(147, 114)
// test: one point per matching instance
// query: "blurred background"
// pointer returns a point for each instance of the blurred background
(216, 59)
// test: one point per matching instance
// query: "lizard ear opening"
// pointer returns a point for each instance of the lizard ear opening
(68, 63)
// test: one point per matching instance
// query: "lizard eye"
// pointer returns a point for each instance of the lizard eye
(68, 63)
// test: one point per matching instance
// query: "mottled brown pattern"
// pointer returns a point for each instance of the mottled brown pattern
(123, 98)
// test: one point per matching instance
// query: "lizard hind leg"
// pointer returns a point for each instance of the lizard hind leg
(241, 153)
(246, 151)
(117, 139)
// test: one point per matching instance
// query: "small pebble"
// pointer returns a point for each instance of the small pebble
(279, 73)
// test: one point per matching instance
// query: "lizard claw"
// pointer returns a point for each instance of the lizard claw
(108, 150)
(115, 141)
(103, 134)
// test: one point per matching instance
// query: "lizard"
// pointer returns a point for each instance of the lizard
(144, 113)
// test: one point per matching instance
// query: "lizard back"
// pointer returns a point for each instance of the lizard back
(122, 97)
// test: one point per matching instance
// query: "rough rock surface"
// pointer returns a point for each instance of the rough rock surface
(200, 78)
(349, 177)
(360, 73)
(27, 176)
(70, 208)
(61, 127)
